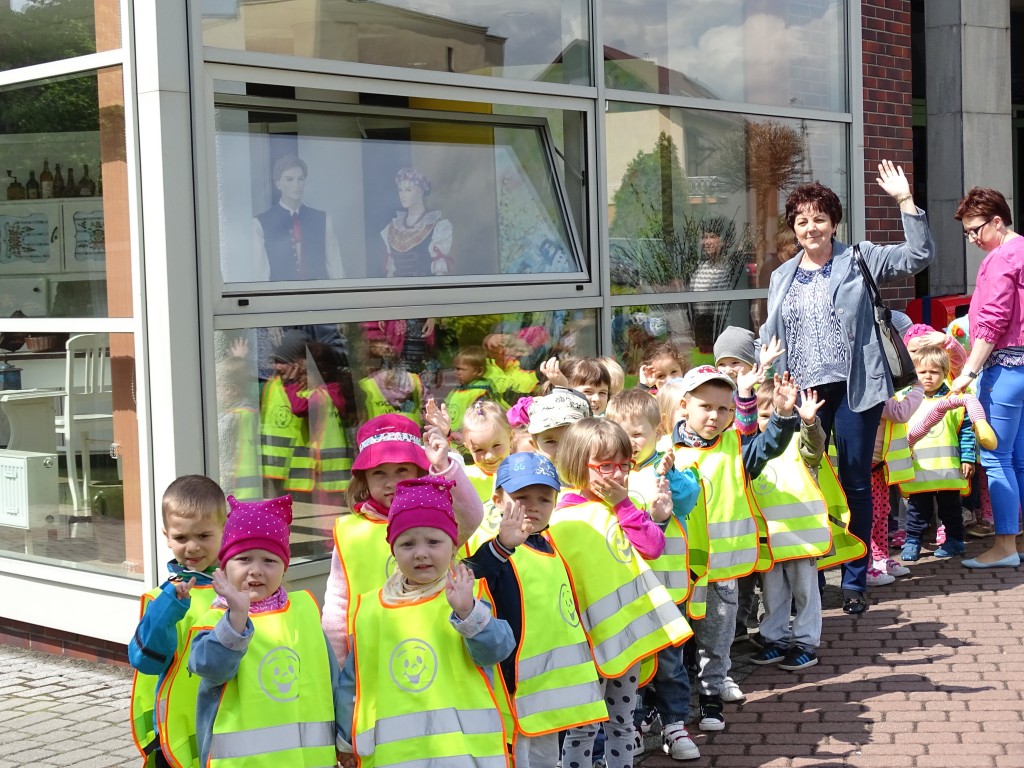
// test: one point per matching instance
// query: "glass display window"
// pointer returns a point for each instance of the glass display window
(348, 196)
(697, 198)
(290, 399)
(785, 54)
(69, 451)
(534, 40)
(64, 229)
(37, 32)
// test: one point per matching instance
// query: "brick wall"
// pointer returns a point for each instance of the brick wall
(60, 643)
(885, 27)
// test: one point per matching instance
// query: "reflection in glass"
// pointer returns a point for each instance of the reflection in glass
(784, 54)
(63, 198)
(526, 40)
(680, 175)
(38, 31)
(69, 451)
(315, 197)
(639, 330)
(290, 399)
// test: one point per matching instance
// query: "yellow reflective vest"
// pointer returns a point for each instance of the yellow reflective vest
(329, 449)
(144, 702)
(364, 554)
(281, 431)
(626, 612)
(937, 455)
(484, 532)
(845, 546)
(673, 566)
(377, 405)
(460, 399)
(899, 463)
(245, 479)
(420, 699)
(793, 507)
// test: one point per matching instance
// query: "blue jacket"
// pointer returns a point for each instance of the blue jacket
(868, 381)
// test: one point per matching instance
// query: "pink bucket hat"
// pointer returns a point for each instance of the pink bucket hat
(257, 525)
(389, 439)
(425, 502)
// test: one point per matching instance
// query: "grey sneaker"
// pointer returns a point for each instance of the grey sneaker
(677, 744)
(731, 692)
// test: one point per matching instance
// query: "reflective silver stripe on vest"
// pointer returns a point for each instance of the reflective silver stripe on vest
(792, 510)
(699, 594)
(277, 441)
(558, 658)
(898, 465)
(642, 626)
(934, 475)
(814, 536)
(434, 722)
(273, 460)
(730, 529)
(275, 738)
(937, 452)
(672, 578)
(454, 761)
(335, 453)
(300, 473)
(674, 545)
(731, 559)
(610, 604)
(558, 699)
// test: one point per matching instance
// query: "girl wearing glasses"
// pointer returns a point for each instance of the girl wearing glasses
(605, 542)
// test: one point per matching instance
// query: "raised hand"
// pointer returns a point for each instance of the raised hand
(437, 416)
(238, 600)
(459, 591)
(660, 507)
(786, 391)
(809, 406)
(553, 372)
(512, 530)
(182, 588)
(609, 490)
(892, 179)
(746, 382)
(239, 347)
(435, 445)
(665, 465)
(771, 352)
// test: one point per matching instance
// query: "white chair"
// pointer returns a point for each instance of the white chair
(88, 407)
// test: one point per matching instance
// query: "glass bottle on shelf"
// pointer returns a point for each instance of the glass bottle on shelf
(58, 182)
(15, 191)
(86, 186)
(71, 188)
(46, 181)
(32, 186)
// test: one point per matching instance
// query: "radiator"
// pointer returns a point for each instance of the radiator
(28, 489)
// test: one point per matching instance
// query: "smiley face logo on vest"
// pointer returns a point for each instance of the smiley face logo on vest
(282, 416)
(937, 430)
(617, 542)
(491, 521)
(567, 606)
(279, 674)
(413, 665)
(765, 482)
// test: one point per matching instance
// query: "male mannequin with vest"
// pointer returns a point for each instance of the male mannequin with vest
(723, 529)
(292, 241)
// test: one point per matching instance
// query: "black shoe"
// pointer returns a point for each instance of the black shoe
(742, 633)
(854, 602)
(773, 654)
(711, 718)
(757, 640)
(798, 658)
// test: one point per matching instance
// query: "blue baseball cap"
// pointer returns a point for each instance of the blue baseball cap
(522, 469)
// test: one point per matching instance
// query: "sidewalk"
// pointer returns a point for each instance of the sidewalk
(931, 676)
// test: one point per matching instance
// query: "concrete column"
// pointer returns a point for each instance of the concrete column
(967, 47)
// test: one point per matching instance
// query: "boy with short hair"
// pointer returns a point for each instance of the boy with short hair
(469, 365)
(943, 461)
(587, 375)
(723, 528)
(194, 510)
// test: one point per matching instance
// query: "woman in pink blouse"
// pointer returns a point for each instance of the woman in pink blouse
(997, 354)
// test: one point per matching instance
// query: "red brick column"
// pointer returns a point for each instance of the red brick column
(885, 30)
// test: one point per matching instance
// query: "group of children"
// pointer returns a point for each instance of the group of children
(507, 611)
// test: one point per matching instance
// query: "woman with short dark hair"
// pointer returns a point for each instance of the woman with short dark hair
(819, 306)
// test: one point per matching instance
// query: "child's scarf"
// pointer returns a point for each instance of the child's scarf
(398, 590)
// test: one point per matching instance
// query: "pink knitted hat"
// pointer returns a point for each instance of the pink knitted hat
(424, 502)
(257, 525)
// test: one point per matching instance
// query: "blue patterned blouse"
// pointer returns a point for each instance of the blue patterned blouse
(814, 337)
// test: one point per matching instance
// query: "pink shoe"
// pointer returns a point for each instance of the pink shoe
(895, 568)
(899, 538)
(878, 578)
(940, 535)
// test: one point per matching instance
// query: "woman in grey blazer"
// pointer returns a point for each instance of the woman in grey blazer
(820, 307)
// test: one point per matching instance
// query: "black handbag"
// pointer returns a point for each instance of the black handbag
(896, 355)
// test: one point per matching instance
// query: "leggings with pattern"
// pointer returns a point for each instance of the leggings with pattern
(879, 514)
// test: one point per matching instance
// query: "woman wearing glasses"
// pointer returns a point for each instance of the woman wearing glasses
(997, 336)
(820, 308)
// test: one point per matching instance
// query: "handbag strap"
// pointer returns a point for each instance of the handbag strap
(876, 297)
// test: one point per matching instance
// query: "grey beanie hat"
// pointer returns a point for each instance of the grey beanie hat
(735, 342)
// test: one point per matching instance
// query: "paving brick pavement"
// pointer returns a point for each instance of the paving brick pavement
(932, 676)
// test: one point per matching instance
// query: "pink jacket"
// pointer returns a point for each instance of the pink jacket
(469, 511)
(643, 533)
(997, 306)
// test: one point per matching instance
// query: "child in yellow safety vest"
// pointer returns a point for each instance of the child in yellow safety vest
(606, 543)
(416, 688)
(943, 462)
(469, 366)
(390, 450)
(268, 690)
(193, 509)
(550, 681)
(798, 532)
(488, 438)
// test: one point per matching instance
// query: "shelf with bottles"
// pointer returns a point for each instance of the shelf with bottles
(52, 184)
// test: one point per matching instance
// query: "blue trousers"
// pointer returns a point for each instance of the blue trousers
(1002, 395)
(854, 436)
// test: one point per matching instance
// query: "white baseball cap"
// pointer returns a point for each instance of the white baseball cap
(702, 374)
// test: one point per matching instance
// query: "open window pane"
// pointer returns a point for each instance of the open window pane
(290, 399)
(358, 194)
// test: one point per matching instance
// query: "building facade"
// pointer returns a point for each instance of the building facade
(297, 213)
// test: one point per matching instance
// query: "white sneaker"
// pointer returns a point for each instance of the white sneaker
(879, 578)
(731, 692)
(896, 568)
(676, 742)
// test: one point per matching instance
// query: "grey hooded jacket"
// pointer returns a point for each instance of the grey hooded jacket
(868, 379)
